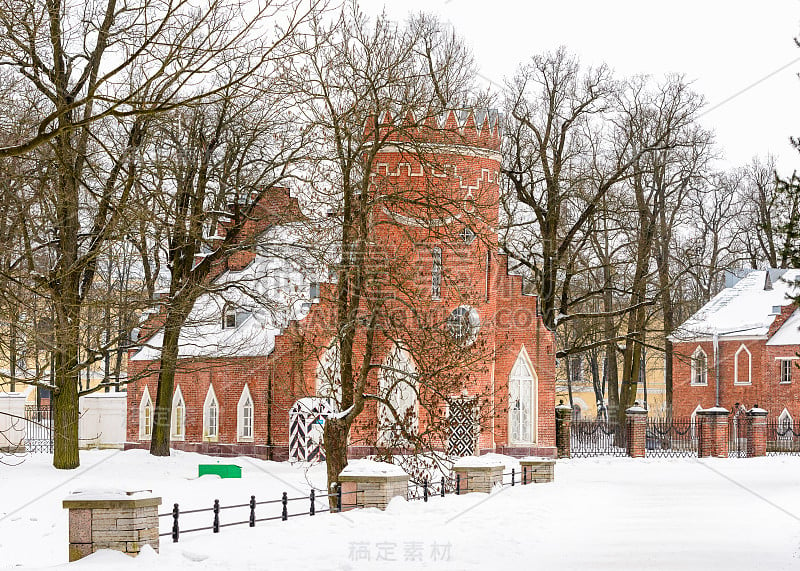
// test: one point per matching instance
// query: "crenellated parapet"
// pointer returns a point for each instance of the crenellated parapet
(473, 128)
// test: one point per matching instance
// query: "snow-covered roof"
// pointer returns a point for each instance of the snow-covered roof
(789, 332)
(745, 310)
(266, 295)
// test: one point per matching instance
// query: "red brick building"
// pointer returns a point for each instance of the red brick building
(246, 373)
(742, 347)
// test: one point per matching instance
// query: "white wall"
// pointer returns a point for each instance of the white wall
(12, 428)
(103, 420)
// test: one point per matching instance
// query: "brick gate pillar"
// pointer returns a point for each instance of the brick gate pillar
(713, 433)
(636, 426)
(756, 432)
(563, 419)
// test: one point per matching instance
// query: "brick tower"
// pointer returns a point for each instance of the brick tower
(433, 222)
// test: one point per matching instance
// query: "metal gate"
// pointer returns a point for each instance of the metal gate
(306, 421)
(670, 437)
(597, 437)
(462, 437)
(737, 432)
(38, 429)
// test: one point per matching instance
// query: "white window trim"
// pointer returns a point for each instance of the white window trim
(210, 397)
(240, 416)
(145, 402)
(781, 361)
(523, 354)
(239, 314)
(693, 422)
(749, 380)
(785, 414)
(173, 425)
(693, 368)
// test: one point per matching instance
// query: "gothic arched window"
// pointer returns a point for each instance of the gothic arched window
(522, 401)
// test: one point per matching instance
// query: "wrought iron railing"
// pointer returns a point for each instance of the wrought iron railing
(670, 437)
(38, 429)
(597, 438)
(253, 514)
(783, 437)
(416, 491)
(737, 434)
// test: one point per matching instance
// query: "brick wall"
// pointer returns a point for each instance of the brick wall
(764, 389)
(465, 184)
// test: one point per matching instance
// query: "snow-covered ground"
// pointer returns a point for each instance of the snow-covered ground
(608, 513)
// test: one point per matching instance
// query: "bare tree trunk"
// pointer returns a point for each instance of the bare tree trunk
(12, 350)
(610, 332)
(667, 306)
(335, 436)
(569, 380)
(64, 399)
(159, 442)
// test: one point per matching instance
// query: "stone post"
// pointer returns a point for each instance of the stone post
(563, 419)
(477, 474)
(536, 470)
(756, 432)
(368, 484)
(12, 422)
(111, 519)
(713, 437)
(636, 427)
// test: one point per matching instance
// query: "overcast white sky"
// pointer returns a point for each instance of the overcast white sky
(722, 46)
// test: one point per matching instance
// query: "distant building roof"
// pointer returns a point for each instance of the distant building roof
(267, 294)
(745, 309)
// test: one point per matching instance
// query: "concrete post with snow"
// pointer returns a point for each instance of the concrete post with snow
(477, 474)
(12, 422)
(536, 469)
(636, 427)
(713, 438)
(563, 419)
(756, 432)
(369, 484)
(111, 519)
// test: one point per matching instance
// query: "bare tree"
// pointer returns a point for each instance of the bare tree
(567, 145)
(591, 164)
(765, 212)
(212, 166)
(101, 72)
(371, 87)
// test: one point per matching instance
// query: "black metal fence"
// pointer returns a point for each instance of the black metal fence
(38, 429)
(783, 437)
(677, 437)
(280, 508)
(597, 438)
(665, 437)
(670, 437)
